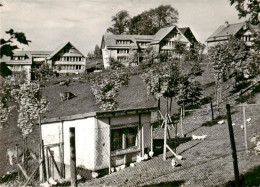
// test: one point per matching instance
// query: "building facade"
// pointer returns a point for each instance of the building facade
(121, 47)
(243, 31)
(64, 59)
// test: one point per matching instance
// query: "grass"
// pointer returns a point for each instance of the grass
(213, 122)
(251, 178)
(167, 184)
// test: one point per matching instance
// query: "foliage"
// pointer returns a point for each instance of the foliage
(106, 86)
(115, 64)
(95, 54)
(43, 72)
(4, 70)
(6, 84)
(249, 8)
(195, 53)
(166, 80)
(149, 22)
(132, 58)
(232, 55)
(7, 46)
(196, 69)
(121, 23)
(31, 105)
(189, 92)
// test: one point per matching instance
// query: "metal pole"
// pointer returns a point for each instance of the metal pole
(73, 175)
(233, 145)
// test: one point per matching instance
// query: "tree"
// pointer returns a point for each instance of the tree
(164, 16)
(149, 22)
(180, 49)
(7, 46)
(121, 23)
(7, 84)
(30, 105)
(97, 52)
(249, 8)
(4, 70)
(106, 86)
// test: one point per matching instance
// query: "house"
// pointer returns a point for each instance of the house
(64, 59)
(121, 47)
(104, 139)
(243, 31)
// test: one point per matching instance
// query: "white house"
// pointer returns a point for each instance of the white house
(243, 31)
(120, 47)
(66, 58)
(104, 139)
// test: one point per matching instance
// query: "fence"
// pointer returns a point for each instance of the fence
(118, 159)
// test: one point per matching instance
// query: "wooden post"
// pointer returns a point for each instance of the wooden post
(43, 168)
(17, 160)
(142, 140)
(62, 169)
(151, 138)
(245, 130)
(40, 151)
(233, 145)
(47, 164)
(212, 111)
(109, 146)
(73, 175)
(182, 117)
(165, 140)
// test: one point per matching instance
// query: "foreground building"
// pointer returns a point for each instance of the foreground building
(243, 31)
(103, 139)
(64, 59)
(121, 47)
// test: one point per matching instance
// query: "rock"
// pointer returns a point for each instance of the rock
(145, 157)
(132, 165)
(151, 153)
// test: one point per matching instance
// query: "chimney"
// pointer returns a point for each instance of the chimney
(226, 24)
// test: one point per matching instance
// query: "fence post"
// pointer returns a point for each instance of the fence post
(165, 139)
(17, 160)
(212, 111)
(43, 168)
(73, 175)
(181, 120)
(233, 145)
(245, 130)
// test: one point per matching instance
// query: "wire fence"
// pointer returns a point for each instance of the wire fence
(132, 155)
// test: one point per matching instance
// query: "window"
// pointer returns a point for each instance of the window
(122, 59)
(124, 138)
(123, 41)
(123, 51)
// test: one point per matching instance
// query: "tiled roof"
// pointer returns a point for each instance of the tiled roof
(60, 47)
(224, 31)
(84, 102)
(162, 33)
(110, 40)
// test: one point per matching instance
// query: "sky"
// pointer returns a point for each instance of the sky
(48, 23)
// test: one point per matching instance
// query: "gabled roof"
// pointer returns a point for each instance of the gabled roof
(110, 40)
(84, 102)
(224, 31)
(60, 47)
(163, 32)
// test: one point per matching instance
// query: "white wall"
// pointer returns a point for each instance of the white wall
(84, 132)
(85, 135)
